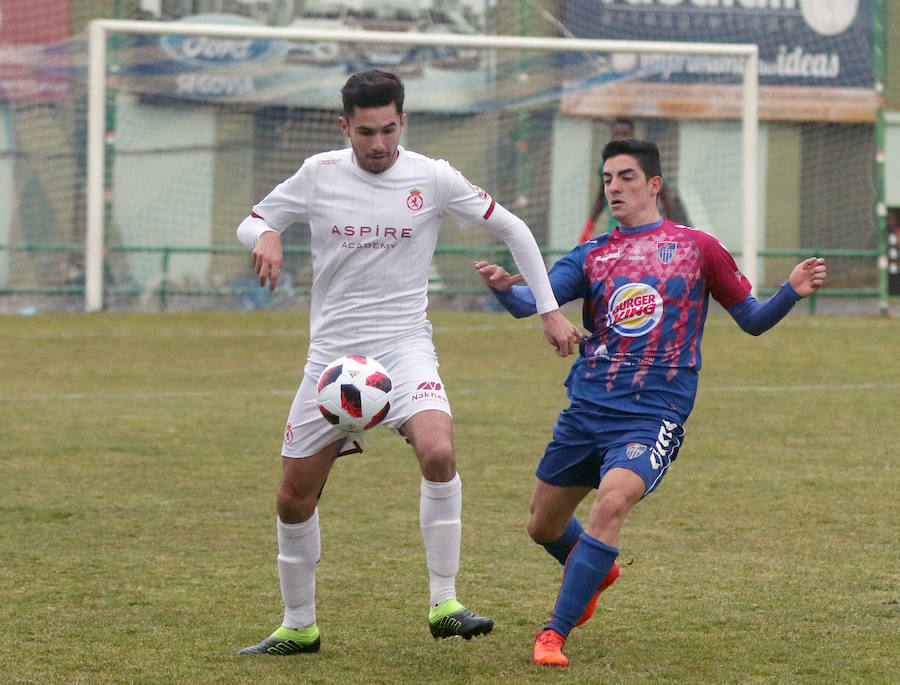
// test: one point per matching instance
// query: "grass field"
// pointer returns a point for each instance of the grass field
(139, 459)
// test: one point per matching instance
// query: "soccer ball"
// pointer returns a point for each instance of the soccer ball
(354, 393)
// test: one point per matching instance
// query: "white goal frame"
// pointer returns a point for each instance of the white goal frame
(100, 29)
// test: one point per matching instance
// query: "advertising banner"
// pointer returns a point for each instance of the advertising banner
(815, 56)
(306, 73)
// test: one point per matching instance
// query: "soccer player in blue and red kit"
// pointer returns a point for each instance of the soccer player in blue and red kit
(645, 286)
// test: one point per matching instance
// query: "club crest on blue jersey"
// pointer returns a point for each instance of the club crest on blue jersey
(634, 309)
(666, 251)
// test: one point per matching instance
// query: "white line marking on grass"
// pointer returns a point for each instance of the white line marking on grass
(299, 331)
(177, 394)
(800, 388)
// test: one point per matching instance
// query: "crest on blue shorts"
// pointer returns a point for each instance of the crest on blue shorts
(666, 251)
(634, 450)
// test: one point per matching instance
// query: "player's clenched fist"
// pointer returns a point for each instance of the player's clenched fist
(808, 276)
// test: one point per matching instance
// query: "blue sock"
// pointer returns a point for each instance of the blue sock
(561, 547)
(588, 564)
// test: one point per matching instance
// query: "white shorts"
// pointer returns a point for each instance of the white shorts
(417, 387)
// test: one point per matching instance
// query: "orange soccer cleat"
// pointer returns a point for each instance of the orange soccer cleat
(548, 646)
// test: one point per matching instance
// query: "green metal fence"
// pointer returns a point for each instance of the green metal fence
(164, 288)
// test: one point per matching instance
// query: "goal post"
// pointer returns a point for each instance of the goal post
(100, 32)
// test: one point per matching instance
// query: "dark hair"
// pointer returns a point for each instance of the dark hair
(625, 121)
(645, 151)
(372, 88)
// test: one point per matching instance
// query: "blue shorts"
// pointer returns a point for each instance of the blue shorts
(588, 442)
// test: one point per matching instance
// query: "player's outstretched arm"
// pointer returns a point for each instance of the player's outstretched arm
(559, 331)
(808, 276)
(756, 317)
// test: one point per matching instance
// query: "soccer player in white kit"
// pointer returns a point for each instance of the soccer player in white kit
(374, 212)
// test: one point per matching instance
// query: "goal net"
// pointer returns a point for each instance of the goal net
(199, 107)
(191, 123)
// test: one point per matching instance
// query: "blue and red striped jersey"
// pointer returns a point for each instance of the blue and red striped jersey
(646, 294)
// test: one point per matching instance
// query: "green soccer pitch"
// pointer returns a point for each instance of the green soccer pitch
(140, 460)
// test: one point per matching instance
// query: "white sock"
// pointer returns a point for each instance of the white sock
(440, 508)
(299, 548)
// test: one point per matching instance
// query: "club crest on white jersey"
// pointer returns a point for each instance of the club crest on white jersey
(415, 202)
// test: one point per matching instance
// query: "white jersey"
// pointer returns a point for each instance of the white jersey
(372, 241)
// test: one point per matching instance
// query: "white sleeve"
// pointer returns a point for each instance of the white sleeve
(250, 229)
(287, 202)
(509, 228)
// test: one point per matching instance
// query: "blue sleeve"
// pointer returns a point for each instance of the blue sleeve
(518, 300)
(566, 279)
(756, 317)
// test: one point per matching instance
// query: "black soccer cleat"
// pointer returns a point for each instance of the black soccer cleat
(462, 623)
(286, 641)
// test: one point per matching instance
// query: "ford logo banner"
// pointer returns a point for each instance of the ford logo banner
(207, 51)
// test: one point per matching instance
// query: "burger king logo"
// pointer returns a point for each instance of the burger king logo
(634, 309)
